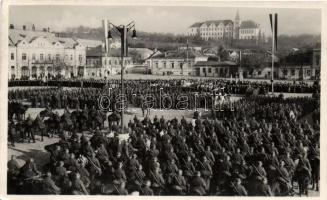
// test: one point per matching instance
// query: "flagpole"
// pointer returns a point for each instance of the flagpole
(272, 57)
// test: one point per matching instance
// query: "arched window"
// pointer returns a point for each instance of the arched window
(34, 72)
(25, 71)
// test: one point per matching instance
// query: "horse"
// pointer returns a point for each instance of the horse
(17, 109)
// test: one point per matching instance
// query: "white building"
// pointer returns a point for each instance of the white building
(111, 62)
(213, 29)
(249, 30)
(101, 65)
(174, 63)
(226, 29)
(40, 54)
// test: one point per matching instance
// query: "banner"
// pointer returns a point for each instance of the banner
(274, 28)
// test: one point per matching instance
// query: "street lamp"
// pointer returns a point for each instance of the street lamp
(122, 31)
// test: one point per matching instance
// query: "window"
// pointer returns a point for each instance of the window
(57, 57)
(105, 61)
(216, 70)
(12, 56)
(49, 56)
(259, 73)
(308, 72)
(209, 70)
(157, 66)
(293, 72)
(23, 56)
(33, 56)
(285, 72)
(71, 56)
(204, 70)
(172, 65)
(181, 65)
(80, 58)
(41, 56)
(164, 64)
(109, 62)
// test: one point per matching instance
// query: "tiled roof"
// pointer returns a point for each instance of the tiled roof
(209, 22)
(15, 36)
(89, 43)
(248, 24)
(214, 63)
(197, 24)
(180, 54)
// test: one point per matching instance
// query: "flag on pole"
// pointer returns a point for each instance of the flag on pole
(274, 28)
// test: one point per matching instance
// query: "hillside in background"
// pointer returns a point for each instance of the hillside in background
(169, 41)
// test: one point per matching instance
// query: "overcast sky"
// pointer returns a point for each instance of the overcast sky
(161, 19)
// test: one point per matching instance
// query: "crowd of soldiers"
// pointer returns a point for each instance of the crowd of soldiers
(266, 146)
(231, 86)
(199, 94)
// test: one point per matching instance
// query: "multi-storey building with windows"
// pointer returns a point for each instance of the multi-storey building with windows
(249, 30)
(174, 63)
(213, 29)
(37, 54)
(226, 29)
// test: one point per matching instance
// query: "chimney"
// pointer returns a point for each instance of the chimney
(11, 26)
(33, 27)
(24, 27)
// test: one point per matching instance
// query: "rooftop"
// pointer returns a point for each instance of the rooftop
(249, 24)
(17, 35)
(209, 22)
(215, 63)
(177, 54)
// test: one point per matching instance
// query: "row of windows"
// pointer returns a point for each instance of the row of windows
(247, 31)
(285, 72)
(172, 65)
(42, 56)
(116, 62)
(247, 37)
(222, 70)
(215, 29)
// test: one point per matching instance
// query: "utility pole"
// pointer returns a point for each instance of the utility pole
(122, 31)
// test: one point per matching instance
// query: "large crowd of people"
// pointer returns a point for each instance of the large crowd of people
(262, 148)
(192, 84)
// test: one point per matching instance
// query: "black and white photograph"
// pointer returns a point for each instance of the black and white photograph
(163, 100)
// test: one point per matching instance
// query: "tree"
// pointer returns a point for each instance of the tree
(222, 53)
(254, 61)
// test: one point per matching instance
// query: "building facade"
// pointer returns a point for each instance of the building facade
(225, 69)
(174, 63)
(249, 30)
(102, 65)
(226, 29)
(213, 29)
(35, 54)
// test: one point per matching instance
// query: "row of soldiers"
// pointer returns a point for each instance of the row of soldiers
(204, 85)
(244, 155)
